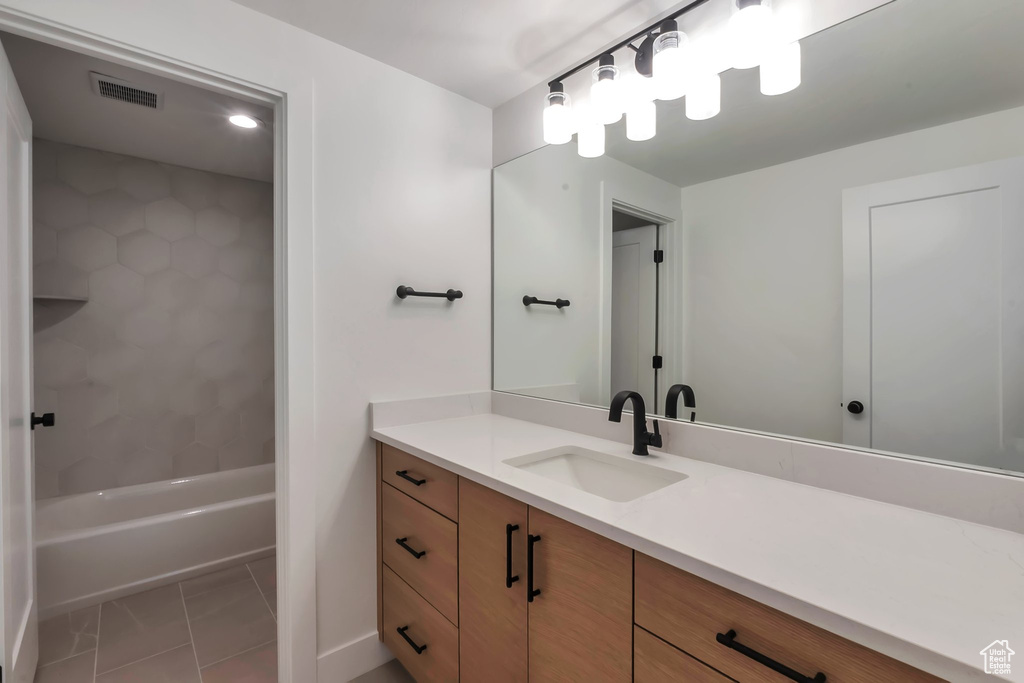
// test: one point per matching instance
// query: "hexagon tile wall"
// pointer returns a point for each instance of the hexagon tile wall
(167, 370)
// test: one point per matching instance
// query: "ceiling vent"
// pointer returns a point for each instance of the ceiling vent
(118, 89)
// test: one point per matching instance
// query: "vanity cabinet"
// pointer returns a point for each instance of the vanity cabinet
(476, 586)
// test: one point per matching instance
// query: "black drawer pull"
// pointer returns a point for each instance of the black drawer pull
(509, 579)
(729, 640)
(530, 592)
(414, 553)
(418, 648)
(404, 474)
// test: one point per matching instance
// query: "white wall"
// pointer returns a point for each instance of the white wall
(552, 239)
(388, 183)
(765, 269)
(517, 123)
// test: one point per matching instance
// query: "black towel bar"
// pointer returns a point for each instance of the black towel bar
(451, 294)
(560, 303)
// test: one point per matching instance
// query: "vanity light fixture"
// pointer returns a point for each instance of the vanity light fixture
(750, 33)
(558, 128)
(667, 67)
(244, 121)
(605, 93)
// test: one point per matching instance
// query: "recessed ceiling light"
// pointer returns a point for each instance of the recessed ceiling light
(243, 121)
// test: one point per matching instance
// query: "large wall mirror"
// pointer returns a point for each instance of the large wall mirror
(843, 263)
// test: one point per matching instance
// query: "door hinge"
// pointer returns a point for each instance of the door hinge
(659, 255)
(656, 363)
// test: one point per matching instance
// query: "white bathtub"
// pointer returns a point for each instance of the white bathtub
(99, 546)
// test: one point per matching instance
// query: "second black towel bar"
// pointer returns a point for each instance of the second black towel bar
(451, 294)
(560, 303)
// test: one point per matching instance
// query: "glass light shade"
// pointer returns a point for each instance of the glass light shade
(606, 95)
(780, 70)
(704, 98)
(669, 67)
(750, 34)
(590, 139)
(558, 121)
(641, 121)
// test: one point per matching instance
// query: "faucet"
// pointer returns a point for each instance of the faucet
(672, 401)
(641, 437)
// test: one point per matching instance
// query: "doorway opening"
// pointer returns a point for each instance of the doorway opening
(153, 258)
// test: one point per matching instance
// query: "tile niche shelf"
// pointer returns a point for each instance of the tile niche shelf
(46, 298)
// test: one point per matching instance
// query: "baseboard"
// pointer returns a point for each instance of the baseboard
(352, 659)
(116, 592)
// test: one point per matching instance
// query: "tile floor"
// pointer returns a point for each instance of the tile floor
(392, 672)
(216, 628)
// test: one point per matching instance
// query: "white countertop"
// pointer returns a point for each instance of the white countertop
(929, 590)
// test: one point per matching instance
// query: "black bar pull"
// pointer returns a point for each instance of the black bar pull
(404, 291)
(559, 303)
(414, 553)
(729, 640)
(509, 579)
(44, 420)
(531, 593)
(404, 474)
(418, 648)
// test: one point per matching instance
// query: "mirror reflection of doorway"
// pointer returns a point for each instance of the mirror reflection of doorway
(634, 310)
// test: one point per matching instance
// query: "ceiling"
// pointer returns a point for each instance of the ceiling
(905, 66)
(190, 130)
(486, 50)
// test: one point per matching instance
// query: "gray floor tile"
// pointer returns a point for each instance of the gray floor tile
(77, 669)
(141, 626)
(254, 666)
(68, 635)
(228, 621)
(392, 672)
(176, 666)
(209, 582)
(265, 573)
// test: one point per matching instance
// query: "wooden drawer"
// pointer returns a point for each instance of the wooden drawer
(655, 661)
(437, 488)
(438, 660)
(689, 612)
(433, 571)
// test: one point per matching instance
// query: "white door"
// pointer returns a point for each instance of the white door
(634, 288)
(17, 497)
(933, 308)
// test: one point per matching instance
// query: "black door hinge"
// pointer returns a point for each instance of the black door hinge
(659, 255)
(656, 363)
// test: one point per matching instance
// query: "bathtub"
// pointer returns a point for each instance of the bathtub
(99, 546)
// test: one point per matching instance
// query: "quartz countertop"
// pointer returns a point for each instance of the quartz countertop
(929, 590)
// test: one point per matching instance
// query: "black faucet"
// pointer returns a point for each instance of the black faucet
(672, 401)
(641, 437)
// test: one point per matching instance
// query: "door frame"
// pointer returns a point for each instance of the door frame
(294, 373)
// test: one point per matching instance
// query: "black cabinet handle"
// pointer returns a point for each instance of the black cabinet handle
(404, 474)
(509, 579)
(531, 593)
(729, 640)
(44, 420)
(417, 555)
(418, 648)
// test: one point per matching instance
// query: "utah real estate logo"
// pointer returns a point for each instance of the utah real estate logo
(997, 658)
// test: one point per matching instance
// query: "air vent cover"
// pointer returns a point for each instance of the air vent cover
(113, 88)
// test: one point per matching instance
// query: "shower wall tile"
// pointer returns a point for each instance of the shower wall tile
(167, 369)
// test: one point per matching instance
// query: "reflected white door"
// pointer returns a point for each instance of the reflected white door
(17, 550)
(634, 289)
(933, 312)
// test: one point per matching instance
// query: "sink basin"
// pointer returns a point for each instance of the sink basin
(612, 478)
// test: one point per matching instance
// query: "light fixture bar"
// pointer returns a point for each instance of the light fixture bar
(628, 41)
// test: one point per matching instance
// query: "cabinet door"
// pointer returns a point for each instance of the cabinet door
(581, 621)
(492, 615)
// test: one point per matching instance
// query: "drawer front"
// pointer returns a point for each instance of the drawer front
(438, 659)
(655, 661)
(427, 557)
(690, 612)
(433, 486)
